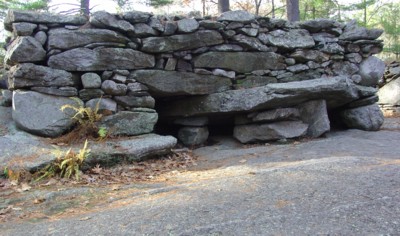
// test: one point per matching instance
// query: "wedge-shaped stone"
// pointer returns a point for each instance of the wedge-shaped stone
(42, 17)
(103, 19)
(336, 90)
(267, 132)
(65, 39)
(198, 39)
(31, 75)
(172, 83)
(292, 39)
(101, 59)
(24, 49)
(242, 62)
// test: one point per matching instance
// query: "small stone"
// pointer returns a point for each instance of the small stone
(88, 94)
(105, 105)
(187, 25)
(224, 73)
(91, 80)
(190, 136)
(119, 78)
(112, 88)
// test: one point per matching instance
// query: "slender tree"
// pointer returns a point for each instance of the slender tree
(85, 7)
(223, 6)
(292, 10)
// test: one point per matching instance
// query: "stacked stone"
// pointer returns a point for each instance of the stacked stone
(195, 68)
(389, 93)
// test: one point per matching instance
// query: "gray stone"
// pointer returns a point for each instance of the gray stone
(212, 25)
(332, 48)
(324, 38)
(371, 71)
(40, 114)
(170, 28)
(132, 101)
(198, 39)
(290, 61)
(237, 16)
(296, 38)
(352, 32)
(251, 43)
(23, 28)
(187, 25)
(105, 105)
(344, 68)
(369, 118)
(309, 55)
(41, 37)
(313, 65)
(363, 102)
(269, 132)
(129, 123)
(137, 16)
(144, 30)
(254, 81)
(88, 94)
(24, 49)
(336, 90)
(192, 121)
(112, 88)
(184, 66)
(6, 98)
(103, 19)
(280, 114)
(119, 78)
(318, 25)
(64, 39)
(297, 68)
(241, 62)
(100, 59)
(155, 23)
(91, 81)
(234, 25)
(249, 31)
(227, 48)
(224, 73)
(389, 94)
(31, 75)
(356, 78)
(315, 114)
(353, 57)
(171, 83)
(190, 136)
(171, 64)
(41, 17)
(62, 91)
(137, 87)
(228, 33)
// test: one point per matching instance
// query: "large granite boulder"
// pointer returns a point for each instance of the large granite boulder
(130, 123)
(65, 39)
(198, 39)
(100, 59)
(30, 75)
(172, 83)
(24, 49)
(187, 25)
(337, 91)
(369, 118)
(296, 38)
(41, 114)
(269, 132)
(371, 71)
(353, 32)
(389, 94)
(315, 114)
(103, 19)
(41, 17)
(242, 62)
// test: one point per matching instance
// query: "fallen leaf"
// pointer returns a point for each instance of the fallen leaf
(116, 187)
(24, 187)
(85, 218)
(39, 200)
(243, 161)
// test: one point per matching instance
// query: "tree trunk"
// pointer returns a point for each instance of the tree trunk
(292, 10)
(223, 6)
(85, 10)
(273, 9)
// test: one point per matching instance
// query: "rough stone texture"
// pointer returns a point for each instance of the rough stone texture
(268, 132)
(279, 114)
(187, 25)
(390, 93)
(105, 105)
(198, 39)
(344, 68)
(24, 49)
(88, 94)
(237, 16)
(336, 90)
(131, 101)
(62, 91)
(137, 16)
(144, 30)
(192, 121)
(65, 39)
(318, 24)
(112, 88)
(242, 62)
(191, 136)
(6, 98)
(250, 43)
(42, 17)
(310, 55)
(100, 59)
(371, 71)
(352, 33)
(106, 20)
(291, 39)
(369, 118)
(31, 75)
(23, 28)
(254, 81)
(91, 80)
(315, 114)
(171, 83)
(48, 120)
(41, 37)
(130, 123)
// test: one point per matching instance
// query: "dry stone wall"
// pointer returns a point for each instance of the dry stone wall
(274, 79)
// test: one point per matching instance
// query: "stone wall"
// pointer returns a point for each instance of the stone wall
(268, 78)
